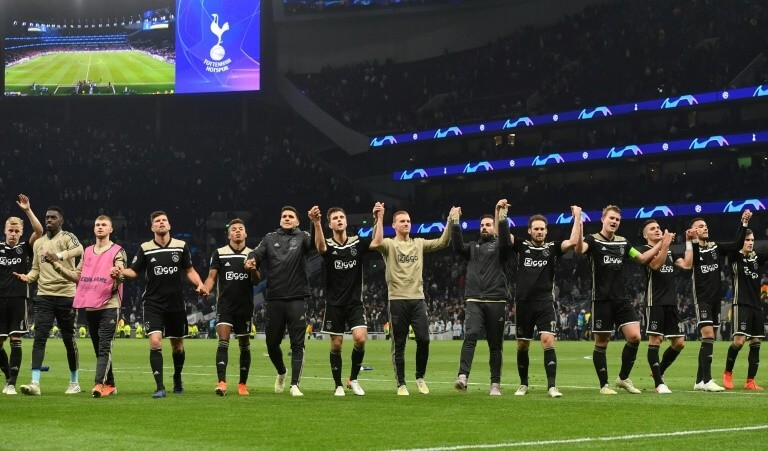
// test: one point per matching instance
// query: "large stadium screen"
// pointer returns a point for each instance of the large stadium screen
(124, 47)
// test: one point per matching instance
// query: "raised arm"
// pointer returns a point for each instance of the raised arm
(657, 261)
(687, 261)
(502, 226)
(315, 215)
(645, 257)
(740, 235)
(37, 228)
(457, 240)
(576, 240)
(378, 225)
(445, 238)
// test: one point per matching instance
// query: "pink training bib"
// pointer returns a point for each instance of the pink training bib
(95, 286)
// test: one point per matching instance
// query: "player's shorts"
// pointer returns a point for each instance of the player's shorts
(240, 323)
(606, 315)
(13, 316)
(748, 321)
(341, 318)
(663, 320)
(538, 314)
(707, 314)
(170, 324)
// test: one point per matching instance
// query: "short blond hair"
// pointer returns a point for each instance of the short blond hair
(103, 218)
(611, 208)
(14, 220)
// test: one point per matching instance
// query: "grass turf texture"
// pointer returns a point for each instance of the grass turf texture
(381, 419)
(59, 72)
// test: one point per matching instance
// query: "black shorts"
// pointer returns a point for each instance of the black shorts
(341, 318)
(708, 314)
(748, 321)
(170, 324)
(240, 324)
(538, 314)
(13, 316)
(607, 315)
(664, 320)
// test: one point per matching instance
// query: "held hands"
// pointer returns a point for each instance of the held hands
(454, 214)
(23, 202)
(691, 235)
(746, 216)
(315, 215)
(250, 264)
(576, 211)
(502, 205)
(378, 211)
(201, 291)
(667, 237)
(115, 273)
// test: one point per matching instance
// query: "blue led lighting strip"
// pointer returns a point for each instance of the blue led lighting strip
(599, 112)
(708, 143)
(645, 212)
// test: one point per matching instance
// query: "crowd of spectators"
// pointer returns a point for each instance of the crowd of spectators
(609, 53)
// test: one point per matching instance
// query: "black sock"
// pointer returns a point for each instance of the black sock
(422, 357)
(653, 361)
(245, 362)
(753, 359)
(357, 360)
(178, 366)
(4, 363)
(628, 356)
(156, 363)
(705, 359)
(668, 358)
(601, 365)
(222, 360)
(15, 361)
(730, 360)
(522, 366)
(550, 366)
(335, 359)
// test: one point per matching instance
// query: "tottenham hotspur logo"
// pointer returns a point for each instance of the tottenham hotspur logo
(217, 53)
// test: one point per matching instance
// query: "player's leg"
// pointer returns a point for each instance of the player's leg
(333, 326)
(673, 330)
(66, 317)
(15, 325)
(524, 320)
(44, 316)
(473, 326)
(275, 329)
(244, 342)
(223, 331)
(739, 338)
(756, 331)
(176, 329)
(420, 323)
(494, 316)
(358, 323)
(154, 327)
(297, 326)
(707, 319)
(602, 328)
(546, 318)
(398, 327)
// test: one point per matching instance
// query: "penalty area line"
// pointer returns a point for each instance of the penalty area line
(592, 439)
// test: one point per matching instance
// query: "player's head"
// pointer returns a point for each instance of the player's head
(289, 218)
(102, 226)
(537, 228)
(160, 224)
(337, 219)
(236, 231)
(487, 228)
(14, 227)
(749, 241)
(54, 219)
(401, 222)
(611, 219)
(651, 231)
(700, 226)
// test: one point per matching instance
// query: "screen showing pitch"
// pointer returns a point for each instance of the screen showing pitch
(118, 47)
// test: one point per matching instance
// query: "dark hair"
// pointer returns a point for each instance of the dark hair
(57, 210)
(491, 217)
(156, 214)
(649, 221)
(333, 210)
(537, 218)
(289, 208)
(748, 232)
(690, 224)
(235, 221)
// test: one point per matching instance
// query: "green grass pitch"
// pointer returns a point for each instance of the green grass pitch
(444, 419)
(59, 72)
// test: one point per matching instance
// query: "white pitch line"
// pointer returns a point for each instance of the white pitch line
(592, 439)
(88, 71)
